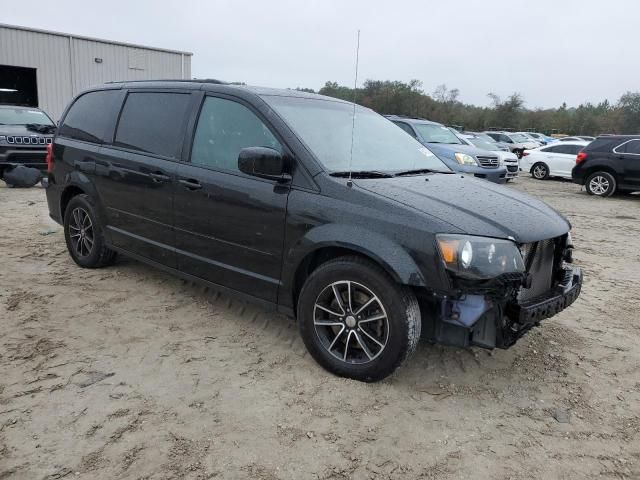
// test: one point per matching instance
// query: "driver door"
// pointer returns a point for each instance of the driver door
(229, 225)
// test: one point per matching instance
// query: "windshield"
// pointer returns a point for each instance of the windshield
(21, 116)
(483, 144)
(378, 145)
(436, 133)
(518, 137)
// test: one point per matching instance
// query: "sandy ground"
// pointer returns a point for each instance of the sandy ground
(127, 372)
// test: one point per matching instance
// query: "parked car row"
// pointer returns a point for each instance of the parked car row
(485, 159)
(606, 165)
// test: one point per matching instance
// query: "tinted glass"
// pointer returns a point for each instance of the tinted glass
(153, 123)
(328, 129)
(630, 147)
(90, 117)
(406, 128)
(602, 144)
(563, 149)
(573, 149)
(224, 128)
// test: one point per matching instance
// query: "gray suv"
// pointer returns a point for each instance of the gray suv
(458, 156)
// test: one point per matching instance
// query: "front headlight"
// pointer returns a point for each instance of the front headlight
(479, 257)
(464, 159)
(2, 138)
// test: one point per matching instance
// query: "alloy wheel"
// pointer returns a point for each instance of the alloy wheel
(81, 232)
(351, 322)
(599, 185)
(539, 171)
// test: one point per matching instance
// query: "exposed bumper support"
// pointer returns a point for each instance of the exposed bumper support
(490, 323)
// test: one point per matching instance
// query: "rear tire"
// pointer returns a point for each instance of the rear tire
(84, 234)
(540, 171)
(356, 321)
(601, 184)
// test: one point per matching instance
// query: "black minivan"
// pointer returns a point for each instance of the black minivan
(321, 209)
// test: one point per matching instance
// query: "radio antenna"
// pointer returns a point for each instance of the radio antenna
(353, 116)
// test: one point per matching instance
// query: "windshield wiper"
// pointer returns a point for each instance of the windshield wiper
(418, 171)
(362, 174)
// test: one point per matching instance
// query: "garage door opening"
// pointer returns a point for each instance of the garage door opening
(18, 86)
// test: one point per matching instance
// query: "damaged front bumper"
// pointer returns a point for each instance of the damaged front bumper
(498, 321)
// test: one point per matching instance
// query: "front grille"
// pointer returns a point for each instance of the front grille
(539, 257)
(26, 158)
(487, 162)
(512, 168)
(30, 140)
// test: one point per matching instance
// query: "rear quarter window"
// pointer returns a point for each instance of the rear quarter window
(631, 146)
(153, 122)
(603, 144)
(91, 116)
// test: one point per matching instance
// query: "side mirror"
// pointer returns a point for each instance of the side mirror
(263, 162)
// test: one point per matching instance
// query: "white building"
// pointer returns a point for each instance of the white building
(46, 69)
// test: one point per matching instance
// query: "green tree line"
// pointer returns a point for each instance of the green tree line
(443, 105)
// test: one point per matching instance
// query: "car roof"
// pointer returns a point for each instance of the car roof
(216, 86)
(620, 137)
(581, 143)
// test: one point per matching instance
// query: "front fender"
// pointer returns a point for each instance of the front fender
(391, 256)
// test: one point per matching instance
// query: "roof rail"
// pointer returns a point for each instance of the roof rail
(192, 80)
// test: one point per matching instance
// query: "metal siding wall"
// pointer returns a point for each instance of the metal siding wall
(187, 66)
(50, 54)
(116, 63)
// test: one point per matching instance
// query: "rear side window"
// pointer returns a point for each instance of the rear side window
(90, 117)
(602, 144)
(632, 146)
(566, 149)
(224, 128)
(573, 149)
(153, 123)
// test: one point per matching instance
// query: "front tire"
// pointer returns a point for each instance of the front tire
(601, 184)
(84, 234)
(540, 171)
(356, 321)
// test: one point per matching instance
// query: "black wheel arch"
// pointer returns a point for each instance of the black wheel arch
(77, 183)
(601, 168)
(312, 251)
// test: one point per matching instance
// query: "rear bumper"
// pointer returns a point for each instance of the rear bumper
(53, 194)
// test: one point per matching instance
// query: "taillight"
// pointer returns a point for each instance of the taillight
(581, 157)
(49, 157)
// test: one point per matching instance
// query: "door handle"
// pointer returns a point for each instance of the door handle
(159, 177)
(190, 184)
